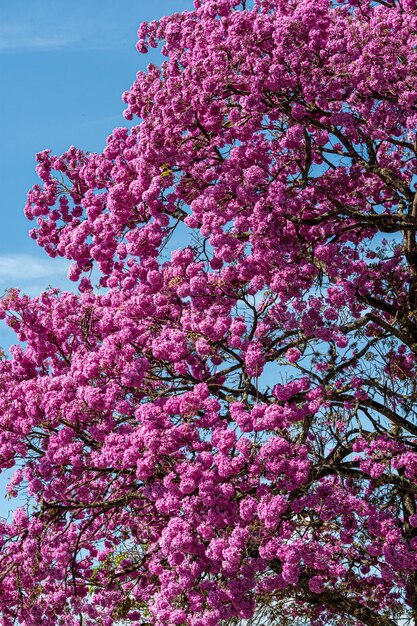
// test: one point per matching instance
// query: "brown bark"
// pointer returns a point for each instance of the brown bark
(339, 603)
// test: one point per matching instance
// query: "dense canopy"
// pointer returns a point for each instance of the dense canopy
(226, 429)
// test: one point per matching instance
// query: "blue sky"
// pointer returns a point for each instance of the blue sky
(63, 68)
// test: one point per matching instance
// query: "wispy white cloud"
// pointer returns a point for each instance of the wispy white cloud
(27, 41)
(34, 31)
(53, 24)
(32, 274)
(27, 267)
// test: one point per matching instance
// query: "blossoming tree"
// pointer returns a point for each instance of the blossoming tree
(227, 431)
